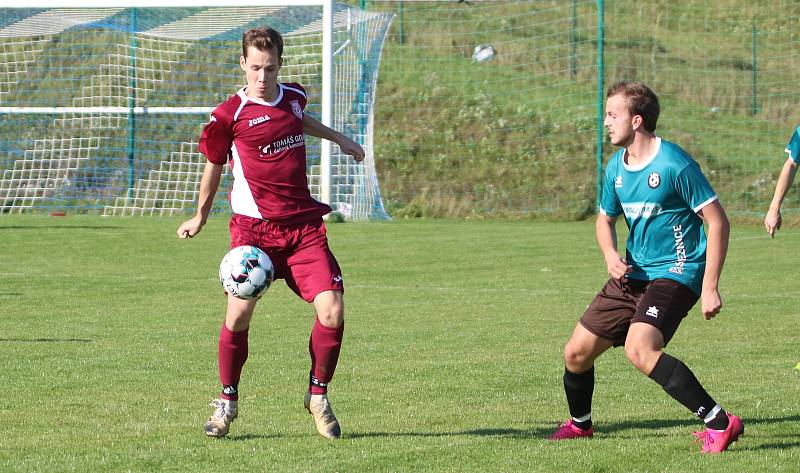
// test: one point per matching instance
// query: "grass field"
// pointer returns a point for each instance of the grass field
(452, 355)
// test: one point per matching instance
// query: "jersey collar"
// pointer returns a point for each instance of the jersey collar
(275, 102)
(643, 164)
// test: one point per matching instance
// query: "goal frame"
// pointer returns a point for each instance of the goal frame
(326, 99)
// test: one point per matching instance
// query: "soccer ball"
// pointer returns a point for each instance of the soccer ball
(246, 272)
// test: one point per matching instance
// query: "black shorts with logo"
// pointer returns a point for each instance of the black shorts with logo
(662, 303)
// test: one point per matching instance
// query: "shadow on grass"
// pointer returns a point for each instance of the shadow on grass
(788, 441)
(766, 446)
(247, 437)
(645, 424)
(46, 340)
(60, 227)
(600, 428)
(504, 433)
(535, 433)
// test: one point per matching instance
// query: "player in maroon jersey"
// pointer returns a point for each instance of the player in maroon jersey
(259, 132)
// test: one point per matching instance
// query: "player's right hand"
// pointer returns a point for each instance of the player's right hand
(710, 303)
(190, 228)
(772, 222)
(617, 267)
(355, 150)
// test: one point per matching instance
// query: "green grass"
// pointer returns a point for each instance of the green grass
(451, 362)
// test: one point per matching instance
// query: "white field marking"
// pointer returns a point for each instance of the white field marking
(765, 236)
(73, 276)
(440, 288)
(445, 289)
(539, 291)
(461, 288)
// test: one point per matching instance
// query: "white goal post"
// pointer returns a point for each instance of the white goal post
(134, 82)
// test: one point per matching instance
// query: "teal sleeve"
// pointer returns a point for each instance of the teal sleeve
(694, 188)
(609, 202)
(793, 148)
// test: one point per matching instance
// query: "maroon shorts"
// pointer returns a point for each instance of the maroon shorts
(299, 253)
(662, 303)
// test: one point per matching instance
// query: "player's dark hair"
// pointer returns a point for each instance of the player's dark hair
(263, 39)
(641, 101)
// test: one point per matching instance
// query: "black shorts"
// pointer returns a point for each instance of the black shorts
(662, 303)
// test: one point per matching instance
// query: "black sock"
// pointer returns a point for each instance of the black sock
(230, 392)
(579, 388)
(719, 421)
(680, 383)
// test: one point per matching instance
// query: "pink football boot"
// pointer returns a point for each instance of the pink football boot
(568, 430)
(717, 441)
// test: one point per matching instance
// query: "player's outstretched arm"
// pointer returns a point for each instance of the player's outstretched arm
(716, 249)
(208, 189)
(773, 221)
(314, 127)
(606, 233)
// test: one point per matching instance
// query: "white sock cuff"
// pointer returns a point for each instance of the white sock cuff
(583, 418)
(711, 415)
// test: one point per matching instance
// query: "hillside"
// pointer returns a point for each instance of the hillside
(517, 134)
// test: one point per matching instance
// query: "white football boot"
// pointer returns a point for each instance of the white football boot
(319, 407)
(220, 420)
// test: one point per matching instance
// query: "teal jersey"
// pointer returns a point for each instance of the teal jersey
(660, 199)
(793, 148)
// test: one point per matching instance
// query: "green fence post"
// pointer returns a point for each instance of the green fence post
(573, 40)
(755, 71)
(600, 86)
(132, 108)
(400, 20)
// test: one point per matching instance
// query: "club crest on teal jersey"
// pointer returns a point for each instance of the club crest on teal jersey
(653, 180)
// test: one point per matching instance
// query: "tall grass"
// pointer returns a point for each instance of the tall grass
(518, 134)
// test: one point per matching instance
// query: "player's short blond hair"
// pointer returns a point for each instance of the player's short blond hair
(641, 101)
(263, 39)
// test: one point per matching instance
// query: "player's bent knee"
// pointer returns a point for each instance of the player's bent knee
(331, 318)
(330, 314)
(239, 313)
(330, 308)
(642, 357)
(576, 359)
(237, 324)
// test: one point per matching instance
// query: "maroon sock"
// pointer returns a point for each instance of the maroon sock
(231, 357)
(323, 346)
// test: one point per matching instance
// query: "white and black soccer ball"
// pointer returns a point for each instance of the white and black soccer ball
(246, 272)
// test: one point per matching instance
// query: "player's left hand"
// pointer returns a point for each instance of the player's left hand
(710, 303)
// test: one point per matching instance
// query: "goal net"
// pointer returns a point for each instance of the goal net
(101, 108)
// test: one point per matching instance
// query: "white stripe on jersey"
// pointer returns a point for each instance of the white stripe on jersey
(243, 99)
(293, 90)
(242, 200)
(704, 204)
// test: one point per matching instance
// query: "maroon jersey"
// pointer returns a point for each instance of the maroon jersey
(265, 145)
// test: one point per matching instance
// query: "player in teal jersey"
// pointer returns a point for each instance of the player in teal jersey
(773, 220)
(669, 264)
